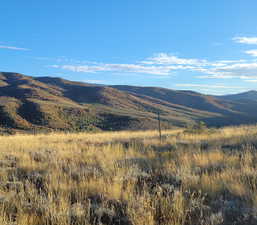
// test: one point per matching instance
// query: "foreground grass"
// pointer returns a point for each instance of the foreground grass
(130, 178)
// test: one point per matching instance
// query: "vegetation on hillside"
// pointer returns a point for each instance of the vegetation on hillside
(130, 178)
(47, 103)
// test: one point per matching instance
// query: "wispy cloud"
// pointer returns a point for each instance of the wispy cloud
(246, 40)
(222, 69)
(159, 64)
(251, 80)
(164, 59)
(13, 48)
(125, 68)
(167, 64)
(238, 70)
(252, 52)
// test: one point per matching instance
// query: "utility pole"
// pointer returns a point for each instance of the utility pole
(159, 126)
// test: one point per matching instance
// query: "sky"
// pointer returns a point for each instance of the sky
(209, 46)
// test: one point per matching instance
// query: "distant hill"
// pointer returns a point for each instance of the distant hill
(47, 103)
(249, 95)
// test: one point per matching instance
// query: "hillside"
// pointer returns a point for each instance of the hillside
(46, 103)
(225, 110)
(249, 95)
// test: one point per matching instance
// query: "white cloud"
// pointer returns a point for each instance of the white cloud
(216, 70)
(221, 69)
(13, 48)
(252, 52)
(239, 70)
(164, 59)
(167, 64)
(251, 80)
(246, 40)
(125, 68)
(214, 76)
(231, 61)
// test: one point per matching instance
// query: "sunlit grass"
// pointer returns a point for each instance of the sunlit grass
(129, 178)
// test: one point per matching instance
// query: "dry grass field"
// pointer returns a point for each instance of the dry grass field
(130, 178)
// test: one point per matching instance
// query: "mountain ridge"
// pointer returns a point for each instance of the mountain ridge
(248, 95)
(49, 103)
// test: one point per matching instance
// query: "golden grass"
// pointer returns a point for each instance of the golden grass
(129, 178)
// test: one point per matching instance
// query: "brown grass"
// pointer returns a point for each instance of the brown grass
(130, 178)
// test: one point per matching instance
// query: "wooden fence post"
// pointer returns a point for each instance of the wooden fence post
(159, 126)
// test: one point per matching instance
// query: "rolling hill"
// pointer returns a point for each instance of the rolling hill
(46, 103)
(249, 95)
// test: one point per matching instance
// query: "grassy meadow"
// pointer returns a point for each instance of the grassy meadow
(130, 178)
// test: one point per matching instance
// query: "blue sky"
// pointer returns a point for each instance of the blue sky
(203, 45)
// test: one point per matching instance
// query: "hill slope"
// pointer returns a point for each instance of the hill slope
(249, 95)
(54, 103)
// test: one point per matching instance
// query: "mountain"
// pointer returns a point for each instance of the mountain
(47, 103)
(223, 110)
(249, 95)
